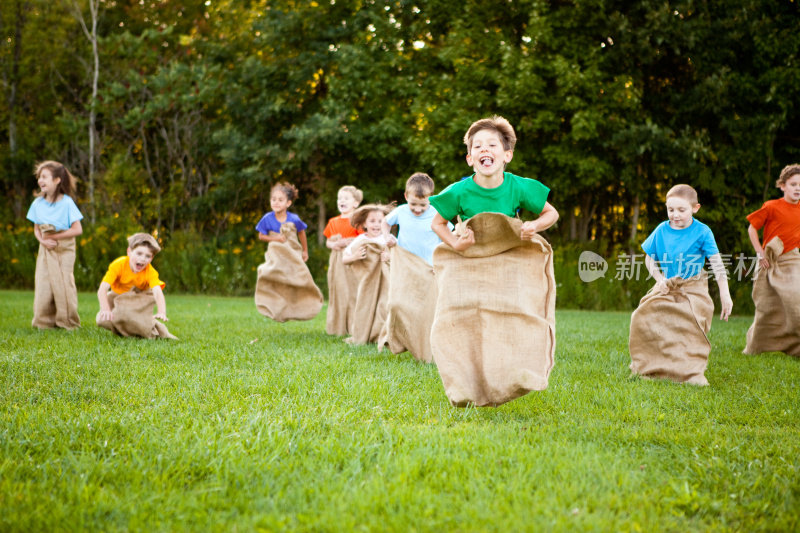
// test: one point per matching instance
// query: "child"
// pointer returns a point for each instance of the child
(776, 288)
(281, 197)
(341, 283)
(285, 289)
(56, 222)
(668, 334)
(368, 257)
(415, 218)
(493, 336)
(129, 290)
(412, 288)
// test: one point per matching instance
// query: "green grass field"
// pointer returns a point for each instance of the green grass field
(245, 424)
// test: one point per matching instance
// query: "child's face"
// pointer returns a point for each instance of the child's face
(417, 204)
(373, 226)
(791, 189)
(278, 201)
(139, 258)
(47, 183)
(680, 212)
(346, 202)
(487, 155)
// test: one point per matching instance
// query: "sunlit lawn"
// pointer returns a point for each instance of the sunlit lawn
(246, 424)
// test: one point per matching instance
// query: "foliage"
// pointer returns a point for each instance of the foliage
(246, 424)
(202, 106)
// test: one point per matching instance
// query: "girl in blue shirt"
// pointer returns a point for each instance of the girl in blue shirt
(56, 222)
(281, 197)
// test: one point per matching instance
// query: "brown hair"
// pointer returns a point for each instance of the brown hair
(787, 172)
(497, 124)
(684, 191)
(67, 184)
(354, 191)
(288, 189)
(144, 239)
(419, 185)
(359, 216)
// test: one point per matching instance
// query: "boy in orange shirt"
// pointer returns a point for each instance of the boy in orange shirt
(776, 287)
(132, 271)
(341, 282)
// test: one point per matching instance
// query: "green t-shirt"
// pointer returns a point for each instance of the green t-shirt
(466, 198)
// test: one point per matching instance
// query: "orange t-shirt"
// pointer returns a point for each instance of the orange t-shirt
(339, 225)
(122, 278)
(781, 219)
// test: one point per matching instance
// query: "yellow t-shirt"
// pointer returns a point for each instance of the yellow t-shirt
(122, 278)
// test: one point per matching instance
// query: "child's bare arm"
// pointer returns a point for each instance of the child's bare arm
(272, 237)
(547, 218)
(48, 242)
(301, 236)
(357, 255)
(161, 303)
(102, 298)
(655, 272)
(458, 243)
(721, 275)
(756, 242)
(74, 230)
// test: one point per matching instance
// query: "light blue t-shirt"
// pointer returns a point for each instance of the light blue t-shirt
(61, 214)
(269, 223)
(415, 233)
(681, 252)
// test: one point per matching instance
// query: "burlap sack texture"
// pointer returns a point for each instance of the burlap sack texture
(669, 332)
(285, 289)
(410, 307)
(776, 294)
(493, 334)
(372, 294)
(55, 302)
(342, 287)
(133, 316)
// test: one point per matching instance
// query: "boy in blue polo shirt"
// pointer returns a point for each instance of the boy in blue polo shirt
(415, 217)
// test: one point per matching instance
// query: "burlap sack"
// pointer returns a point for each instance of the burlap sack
(342, 287)
(133, 315)
(410, 307)
(55, 300)
(776, 293)
(668, 336)
(369, 312)
(285, 289)
(493, 334)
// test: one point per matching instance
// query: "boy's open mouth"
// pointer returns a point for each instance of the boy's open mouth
(486, 161)
(140, 266)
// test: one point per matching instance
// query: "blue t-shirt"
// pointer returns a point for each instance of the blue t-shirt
(269, 223)
(467, 199)
(415, 234)
(61, 214)
(681, 252)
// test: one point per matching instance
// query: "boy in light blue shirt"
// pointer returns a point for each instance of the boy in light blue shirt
(414, 218)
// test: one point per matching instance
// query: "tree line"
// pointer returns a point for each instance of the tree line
(178, 116)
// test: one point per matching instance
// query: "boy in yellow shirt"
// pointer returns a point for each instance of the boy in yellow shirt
(129, 272)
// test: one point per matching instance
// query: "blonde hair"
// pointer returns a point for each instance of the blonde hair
(497, 124)
(360, 215)
(144, 239)
(67, 185)
(684, 191)
(787, 172)
(419, 185)
(355, 192)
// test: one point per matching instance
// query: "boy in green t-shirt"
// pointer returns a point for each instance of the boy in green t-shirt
(490, 146)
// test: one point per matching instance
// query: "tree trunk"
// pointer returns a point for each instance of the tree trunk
(322, 220)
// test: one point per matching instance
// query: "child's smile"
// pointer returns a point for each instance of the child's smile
(373, 226)
(139, 258)
(48, 185)
(346, 202)
(680, 212)
(488, 155)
